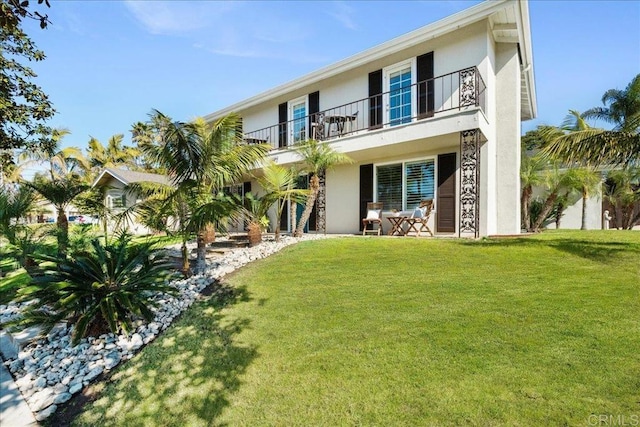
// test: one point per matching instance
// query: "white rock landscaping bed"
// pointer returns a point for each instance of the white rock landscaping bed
(49, 371)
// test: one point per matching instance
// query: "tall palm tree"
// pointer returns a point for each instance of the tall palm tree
(60, 192)
(60, 161)
(591, 146)
(202, 158)
(114, 154)
(531, 166)
(318, 157)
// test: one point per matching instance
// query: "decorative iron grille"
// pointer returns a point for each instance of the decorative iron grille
(470, 181)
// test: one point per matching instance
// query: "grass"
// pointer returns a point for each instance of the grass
(542, 330)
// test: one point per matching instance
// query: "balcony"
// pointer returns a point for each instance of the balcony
(454, 91)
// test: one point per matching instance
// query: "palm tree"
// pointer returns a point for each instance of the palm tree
(92, 202)
(555, 180)
(318, 158)
(256, 208)
(60, 192)
(531, 167)
(113, 155)
(14, 205)
(622, 191)
(587, 182)
(591, 146)
(61, 161)
(279, 184)
(202, 158)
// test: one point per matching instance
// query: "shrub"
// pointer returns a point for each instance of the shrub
(100, 290)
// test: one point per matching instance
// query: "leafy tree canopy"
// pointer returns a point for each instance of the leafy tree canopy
(24, 107)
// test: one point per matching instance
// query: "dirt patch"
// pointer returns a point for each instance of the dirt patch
(67, 412)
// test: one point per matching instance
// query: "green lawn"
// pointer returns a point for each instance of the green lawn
(543, 330)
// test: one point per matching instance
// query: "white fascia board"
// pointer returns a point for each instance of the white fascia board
(428, 32)
(524, 28)
(103, 173)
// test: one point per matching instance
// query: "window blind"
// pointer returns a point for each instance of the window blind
(419, 182)
(389, 186)
(403, 186)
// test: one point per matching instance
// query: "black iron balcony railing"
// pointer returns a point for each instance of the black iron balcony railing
(453, 91)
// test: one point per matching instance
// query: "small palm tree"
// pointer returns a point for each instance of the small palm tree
(555, 180)
(14, 205)
(586, 182)
(531, 168)
(622, 191)
(318, 158)
(279, 183)
(101, 290)
(60, 192)
(256, 209)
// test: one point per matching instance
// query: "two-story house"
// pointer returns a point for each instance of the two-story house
(433, 114)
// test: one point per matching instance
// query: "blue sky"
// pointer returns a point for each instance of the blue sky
(109, 63)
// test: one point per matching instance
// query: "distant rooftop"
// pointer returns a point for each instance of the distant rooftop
(128, 177)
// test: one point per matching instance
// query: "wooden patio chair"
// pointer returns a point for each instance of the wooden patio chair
(419, 219)
(317, 127)
(374, 216)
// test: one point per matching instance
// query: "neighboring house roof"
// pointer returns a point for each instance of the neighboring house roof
(127, 177)
(509, 23)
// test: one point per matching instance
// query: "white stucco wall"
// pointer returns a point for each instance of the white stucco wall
(343, 184)
(463, 48)
(507, 140)
(471, 45)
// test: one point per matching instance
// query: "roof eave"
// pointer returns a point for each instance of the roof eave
(527, 53)
(431, 31)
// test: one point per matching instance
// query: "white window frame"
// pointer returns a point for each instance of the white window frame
(386, 72)
(301, 100)
(114, 196)
(403, 162)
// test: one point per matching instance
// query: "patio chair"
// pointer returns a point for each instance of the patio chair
(374, 216)
(419, 219)
(317, 127)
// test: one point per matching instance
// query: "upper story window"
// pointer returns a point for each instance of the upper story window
(297, 118)
(400, 92)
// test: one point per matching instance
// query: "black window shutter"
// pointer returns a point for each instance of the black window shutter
(246, 188)
(282, 127)
(314, 107)
(366, 190)
(375, 99)
(446, 203)
(424, 64)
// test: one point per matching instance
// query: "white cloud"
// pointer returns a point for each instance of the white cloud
(242, 29)
(176, 17)
(344, 14)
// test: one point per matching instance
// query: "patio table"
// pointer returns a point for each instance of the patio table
(339, 121)
(396, 225)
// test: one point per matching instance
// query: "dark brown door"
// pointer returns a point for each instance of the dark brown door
(446, 203)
